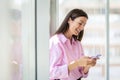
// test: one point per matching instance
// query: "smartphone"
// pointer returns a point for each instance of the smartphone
(96, 57)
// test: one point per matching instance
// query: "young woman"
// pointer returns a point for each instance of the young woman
(67, 59)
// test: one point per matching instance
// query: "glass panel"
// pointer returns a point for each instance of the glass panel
(16, 44)
(114, 39)
(94, 36)
(14, 51)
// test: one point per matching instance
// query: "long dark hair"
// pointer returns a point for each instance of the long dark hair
(65, 26)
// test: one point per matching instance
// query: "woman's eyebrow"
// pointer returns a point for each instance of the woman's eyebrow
(82, 21)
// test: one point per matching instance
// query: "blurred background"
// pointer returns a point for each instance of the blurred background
(26, 25)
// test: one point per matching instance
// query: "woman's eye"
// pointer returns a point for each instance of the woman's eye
(80, 23)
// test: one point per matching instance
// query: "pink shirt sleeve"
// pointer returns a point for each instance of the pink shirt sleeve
(82, 73)
(58, 69)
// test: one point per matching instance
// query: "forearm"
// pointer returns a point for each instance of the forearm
(80, 62)
(73, 65)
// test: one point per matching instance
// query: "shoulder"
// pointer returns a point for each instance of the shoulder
(54, 40)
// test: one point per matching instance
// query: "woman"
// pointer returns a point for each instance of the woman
(67, 60)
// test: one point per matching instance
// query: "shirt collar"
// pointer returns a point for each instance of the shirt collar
(64, 39)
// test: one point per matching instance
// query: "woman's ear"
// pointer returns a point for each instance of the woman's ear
(70, 20)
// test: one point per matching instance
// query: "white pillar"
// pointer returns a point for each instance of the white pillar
(28, 39)
(43, 24)
(4, 41)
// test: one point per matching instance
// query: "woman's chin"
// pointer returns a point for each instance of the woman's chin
(76, 34)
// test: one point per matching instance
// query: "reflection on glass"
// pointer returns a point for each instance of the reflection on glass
(16, 45)
(13, 30)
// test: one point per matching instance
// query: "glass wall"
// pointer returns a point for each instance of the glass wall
(17, 39)
(94, 40)
(15, 33)
(114, 39)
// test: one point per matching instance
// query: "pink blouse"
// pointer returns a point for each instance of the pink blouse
(62, 52)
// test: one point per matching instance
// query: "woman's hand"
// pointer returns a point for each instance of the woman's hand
(86, 68)
(86, 63)
(85, 60)
(93, 62)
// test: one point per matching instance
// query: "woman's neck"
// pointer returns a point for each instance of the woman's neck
(68, 35)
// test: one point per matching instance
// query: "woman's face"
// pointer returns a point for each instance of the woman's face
(77, 25)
